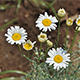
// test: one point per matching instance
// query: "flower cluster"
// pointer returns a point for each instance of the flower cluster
(58, 57)
(17, 35)
(69, 22)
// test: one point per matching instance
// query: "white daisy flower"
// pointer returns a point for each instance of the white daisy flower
(77, 28)
(45, 22)
(78, 21)
(28, 45)
(16, 35)
(42, 37)
(59, 58)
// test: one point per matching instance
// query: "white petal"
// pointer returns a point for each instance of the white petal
(46, 14)
(51, 63)
(54, 20)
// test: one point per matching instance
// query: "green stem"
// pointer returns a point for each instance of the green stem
(67, 31)
(46, 51)
(66, 40)
(19, 48)
(18, 5)
(40, 47)
(58, 35)
(73, 41)
(51, 5)
(54, 11)
(58, 26)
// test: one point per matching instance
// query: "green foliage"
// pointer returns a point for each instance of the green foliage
(44, 72)
(39, 72)
(14, 78)
(8, 23)
(12, 71)
(5, 6)
(43, 3)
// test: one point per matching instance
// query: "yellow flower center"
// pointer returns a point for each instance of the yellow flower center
(70, 21)
(78, 22)
(27, 46)
(62, 11)
(58, 58)
(46, 22)
(16, 36)
(42, 36)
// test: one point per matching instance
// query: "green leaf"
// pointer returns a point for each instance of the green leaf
(29, 59)
(8, 23)
(13, 78)
(4, 7)
(13, 71)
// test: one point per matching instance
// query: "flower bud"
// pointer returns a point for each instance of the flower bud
(69, 22)
(49, 43)
(42, 37)
(61, 12)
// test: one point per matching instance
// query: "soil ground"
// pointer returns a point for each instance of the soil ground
(10, 57)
